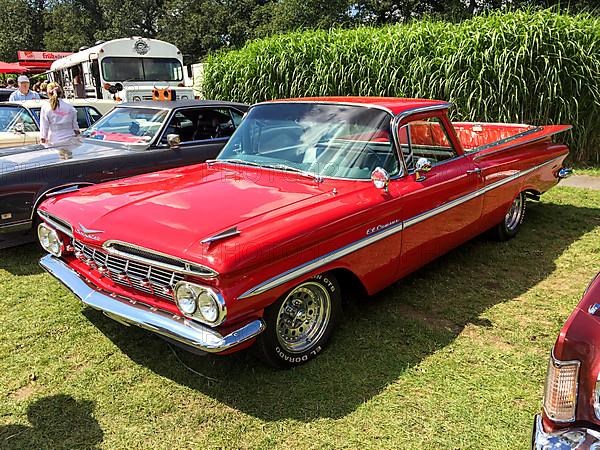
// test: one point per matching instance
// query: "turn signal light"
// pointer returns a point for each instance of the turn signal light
(560, 397)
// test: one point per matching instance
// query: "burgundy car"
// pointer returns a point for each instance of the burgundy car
(570, 417)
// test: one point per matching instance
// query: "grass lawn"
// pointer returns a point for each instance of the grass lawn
(582, 169)
(454, 356)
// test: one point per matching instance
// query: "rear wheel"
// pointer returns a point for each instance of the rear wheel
(509, 227)
(300, 323)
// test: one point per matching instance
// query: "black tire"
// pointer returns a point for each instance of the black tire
(511, 223)
(294, 332)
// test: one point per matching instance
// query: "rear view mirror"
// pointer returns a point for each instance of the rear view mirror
(173, 140)
(19, 128)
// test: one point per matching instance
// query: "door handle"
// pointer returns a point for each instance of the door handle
(475, 170)
(109, 172)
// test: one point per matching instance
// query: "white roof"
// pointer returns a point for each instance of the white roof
(119, 47)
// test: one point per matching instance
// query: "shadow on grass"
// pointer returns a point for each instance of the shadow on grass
(57, 422)
(380, 337)
(22, 260)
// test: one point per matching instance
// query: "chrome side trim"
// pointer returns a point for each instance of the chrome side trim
(48, 193)
(507, 139)
(56, 223)
(65, 190)
(203, 272)
(321, 261)
(160, 322)
(357, 245)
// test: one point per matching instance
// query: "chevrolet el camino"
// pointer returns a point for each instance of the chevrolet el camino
(310, 199)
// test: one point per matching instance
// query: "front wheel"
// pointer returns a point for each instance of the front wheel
(509, 227)
(300, 323)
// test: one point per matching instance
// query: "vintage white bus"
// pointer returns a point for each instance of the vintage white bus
(122, 69)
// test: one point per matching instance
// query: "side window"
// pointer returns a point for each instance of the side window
(237, 117)
(82, 121)
(200, 124)
(182, 123)
(94, 114)
(214, 124)
(425, 139)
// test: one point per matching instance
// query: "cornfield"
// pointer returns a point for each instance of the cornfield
(532, 67)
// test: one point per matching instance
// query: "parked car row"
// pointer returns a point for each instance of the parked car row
(236, 233)
(20, 121)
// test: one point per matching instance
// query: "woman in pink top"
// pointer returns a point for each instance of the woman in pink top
(58, 119)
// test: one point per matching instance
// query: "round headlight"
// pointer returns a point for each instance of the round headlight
(49, 240)
(184, 97)
(185, 296)
(207, 306)
(137, 98)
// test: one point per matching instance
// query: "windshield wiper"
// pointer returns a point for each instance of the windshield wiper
(234, 161)
(287, 168)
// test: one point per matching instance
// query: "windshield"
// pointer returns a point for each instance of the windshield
(141, 69)
(131, 125)
(13, 115)
(322, 139)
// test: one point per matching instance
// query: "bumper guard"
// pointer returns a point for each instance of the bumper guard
(567, 439)
(134, 313)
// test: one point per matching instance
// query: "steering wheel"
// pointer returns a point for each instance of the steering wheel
(134, 128)
(377, 157)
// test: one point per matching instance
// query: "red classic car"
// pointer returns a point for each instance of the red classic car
(570, 417)
(310, 199)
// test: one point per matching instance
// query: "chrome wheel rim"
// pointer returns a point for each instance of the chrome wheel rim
(515, 213)
(303, 317)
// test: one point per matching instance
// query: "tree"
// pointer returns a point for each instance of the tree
(126, 18)
(71, 24)
(16, 26)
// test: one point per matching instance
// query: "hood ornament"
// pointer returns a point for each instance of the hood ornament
(86, 231)
(233, 231)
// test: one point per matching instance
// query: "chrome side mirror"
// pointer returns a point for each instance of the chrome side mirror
(380, 178)
(173, 140)
(423, 165)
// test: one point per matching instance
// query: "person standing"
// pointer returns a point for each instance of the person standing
(10, 83)
(58, 119)
(23, 93)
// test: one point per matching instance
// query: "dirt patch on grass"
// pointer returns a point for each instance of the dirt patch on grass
(475, 333)
(429, 319)
(23, 393)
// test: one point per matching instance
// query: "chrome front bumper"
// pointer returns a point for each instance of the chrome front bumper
(134, 313)
(567, 439)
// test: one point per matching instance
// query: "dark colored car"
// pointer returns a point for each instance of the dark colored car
(5, 94)
(134, 138)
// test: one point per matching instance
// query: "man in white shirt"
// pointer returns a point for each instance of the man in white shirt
(23, 93)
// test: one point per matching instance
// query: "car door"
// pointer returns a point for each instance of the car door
(441, 206)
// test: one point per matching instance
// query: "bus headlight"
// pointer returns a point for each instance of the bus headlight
(200, 302)
(137, 98)
(184, 97)
(50, 240)
(560, 396)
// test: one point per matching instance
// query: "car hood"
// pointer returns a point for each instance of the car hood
(174, 210)
(36, 155)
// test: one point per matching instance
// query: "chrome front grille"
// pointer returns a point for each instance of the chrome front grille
(133, 274)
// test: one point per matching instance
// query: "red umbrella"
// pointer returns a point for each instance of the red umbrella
(11, 68)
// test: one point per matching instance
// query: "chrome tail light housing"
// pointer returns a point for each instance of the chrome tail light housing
(560, 394)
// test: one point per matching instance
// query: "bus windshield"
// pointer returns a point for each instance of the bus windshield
(141, 69)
